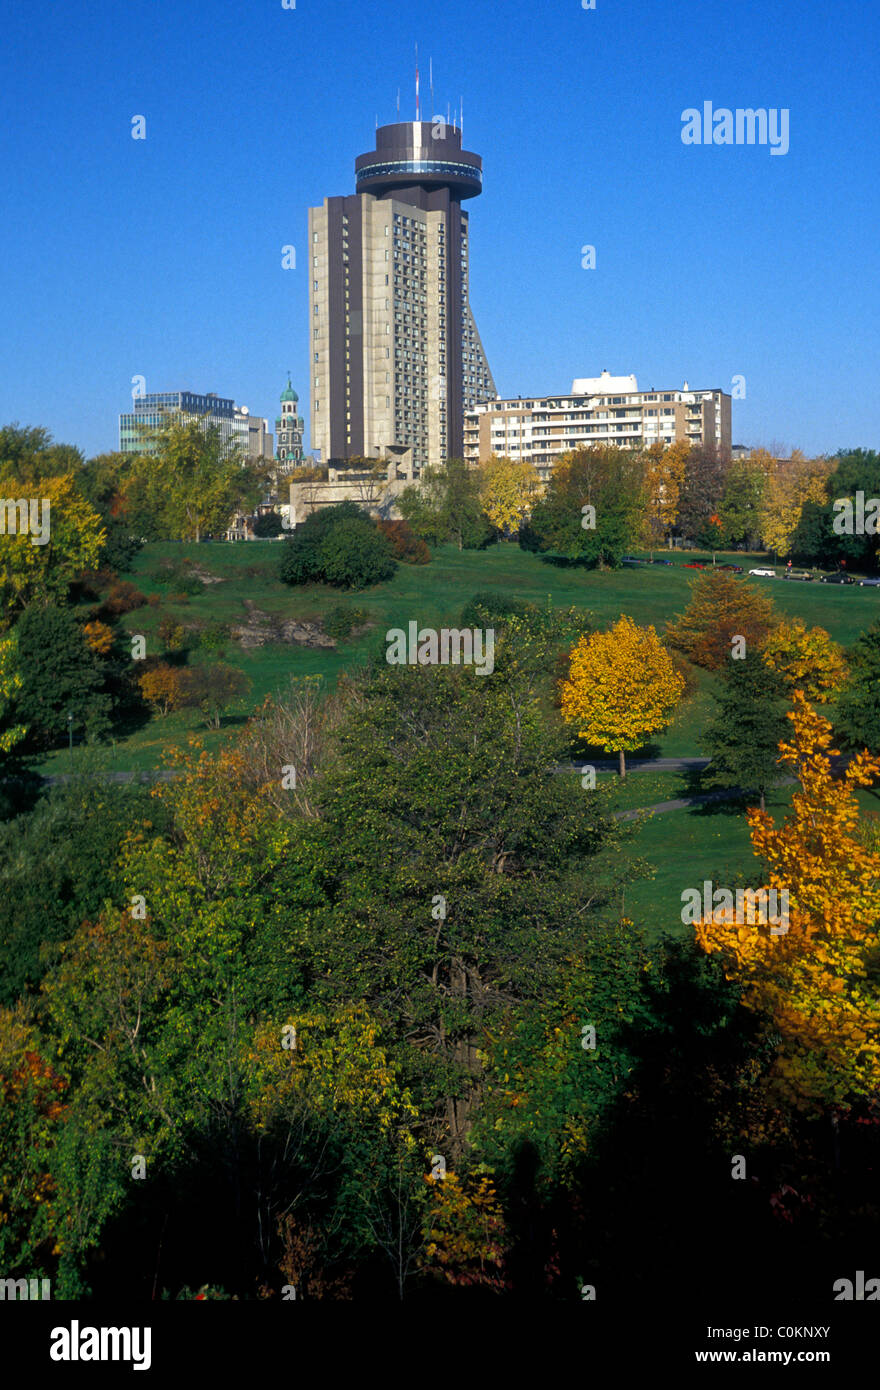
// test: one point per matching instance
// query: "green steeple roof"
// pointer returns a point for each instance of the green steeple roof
(289, 394)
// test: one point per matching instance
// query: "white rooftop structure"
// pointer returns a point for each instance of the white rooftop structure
(592, 385)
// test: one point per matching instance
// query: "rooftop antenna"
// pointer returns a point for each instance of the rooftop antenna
(417, 82)
(398, 101)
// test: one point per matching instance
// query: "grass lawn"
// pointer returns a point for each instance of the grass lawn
(433, 595)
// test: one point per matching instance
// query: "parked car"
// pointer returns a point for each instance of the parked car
(734, 569)
(764, 574)
(839, 578)
(798, 574)
(660, 562)
(869, 583)
(631, 560)
(695, 565)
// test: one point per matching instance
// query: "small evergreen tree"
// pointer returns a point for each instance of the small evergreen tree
(743, 739)
(858, 710)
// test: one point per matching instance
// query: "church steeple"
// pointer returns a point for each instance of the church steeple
(289, 431)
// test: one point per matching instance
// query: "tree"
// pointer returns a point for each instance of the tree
(721, 608)
(162, 687)
(355, 555)
(213, 689)
(622, 687)
(858, 709)
(818, 537)
(664, 477)
(592, 508)
(445, 506)
(813, 982)
(701, 488)
(60, 676)
(743, 738)
(805, 659)
(791, 484)
(76, 538)
(10, 685)
(742, 501)
(508, 489)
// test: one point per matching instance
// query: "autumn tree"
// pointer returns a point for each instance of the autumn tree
(622, 687)
(10, 684)
(701, 488)
(664, 475)
(806, 659)
(722, 607)
(791, 484)
(812, 979)
(508, 490)
(743, 737)
(161, 687)
(75, 539)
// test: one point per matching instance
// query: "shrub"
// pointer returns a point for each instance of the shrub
(267, 525)
(99, 637)
(341, 620)
(407, 547)
(355, 555)
(213, 637)
(122, 597)
(172, 635)
(301, 558)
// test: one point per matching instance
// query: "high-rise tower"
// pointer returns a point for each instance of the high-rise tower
(396, 358)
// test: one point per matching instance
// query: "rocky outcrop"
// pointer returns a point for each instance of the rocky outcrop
(260, 628)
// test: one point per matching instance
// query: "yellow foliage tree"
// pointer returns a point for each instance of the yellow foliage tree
(467, 1234)
(814, 983)
(99, 637)
(806, 659)
(76, 537)
(508, 489)
(664, 475)
(790, 485)
(10, 682)
(622, 686)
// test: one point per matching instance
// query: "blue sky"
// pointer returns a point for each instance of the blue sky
(162, 257)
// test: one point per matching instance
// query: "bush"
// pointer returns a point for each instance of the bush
(301, 558)
(172, 635)
(267, 525)
(213, 638)
(342, 620)
(122, 597)
(355, 555)
(407, 547)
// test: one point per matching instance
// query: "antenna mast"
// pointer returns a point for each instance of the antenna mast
(417, 82)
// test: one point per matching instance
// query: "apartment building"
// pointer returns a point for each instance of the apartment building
(605, 410)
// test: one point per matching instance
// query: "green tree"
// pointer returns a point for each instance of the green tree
(60, 676)
(858, 708)
(444, 506)
(743, 737)
(302, 560)
(610, 481)
(355, 555)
